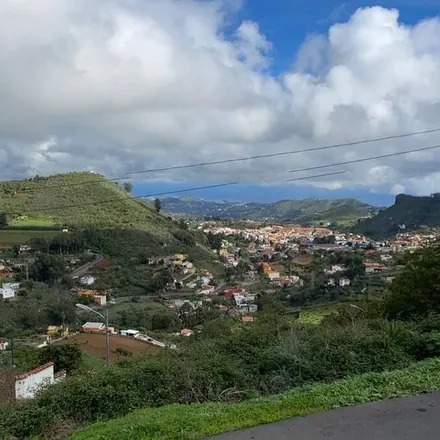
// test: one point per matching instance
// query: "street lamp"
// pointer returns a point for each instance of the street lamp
(107, 335)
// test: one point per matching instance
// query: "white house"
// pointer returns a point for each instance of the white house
(87, 280)
(9, 290)
(3, 345)
(131, 333)
(344, 282)
(207, 290)
(273, 275)
(335, 268)
(27, 385)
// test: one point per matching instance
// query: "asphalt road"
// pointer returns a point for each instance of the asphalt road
(85, 267)
(410, 418)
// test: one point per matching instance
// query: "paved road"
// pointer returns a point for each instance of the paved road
(85, 268)
(410, 418)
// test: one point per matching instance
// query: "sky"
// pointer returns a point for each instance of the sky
(118, 86)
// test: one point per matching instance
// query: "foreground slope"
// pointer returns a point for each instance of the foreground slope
(195, 422)
(86, 200)
(408, 213)
(304, 210)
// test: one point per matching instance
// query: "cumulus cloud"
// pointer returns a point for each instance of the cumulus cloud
(117, 86)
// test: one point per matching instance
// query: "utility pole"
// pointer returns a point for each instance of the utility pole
(107, 338)
(12, 352)
(27, 270)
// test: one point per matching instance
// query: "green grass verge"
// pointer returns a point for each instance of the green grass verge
(194, 422)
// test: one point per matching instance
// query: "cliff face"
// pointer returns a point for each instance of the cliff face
(408, 213)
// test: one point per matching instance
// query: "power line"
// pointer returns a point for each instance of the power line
(114, 199)
(285, 153)
(319, 175)
(365, 159)
(255, 157)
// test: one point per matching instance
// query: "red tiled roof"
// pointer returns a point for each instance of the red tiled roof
(34, 371)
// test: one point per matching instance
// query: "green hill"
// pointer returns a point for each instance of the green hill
(408, 213)
(345, 211)
(76, 200)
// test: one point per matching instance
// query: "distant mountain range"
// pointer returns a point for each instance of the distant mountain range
(407, 214)
(341, 211)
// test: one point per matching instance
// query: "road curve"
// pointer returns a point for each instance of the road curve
(409, 418)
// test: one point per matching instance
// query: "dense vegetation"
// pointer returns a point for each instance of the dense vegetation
(408, 213)
(304, 210)
(229, 361)
(36, 307)
(196, 422)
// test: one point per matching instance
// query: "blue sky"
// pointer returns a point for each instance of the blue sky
(286, 24)
(122, 86)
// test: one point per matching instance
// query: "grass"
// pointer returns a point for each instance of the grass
(11, 237)
(33, 222)
(194, 422)
(81, 196)
(92, 362)
(316, 314)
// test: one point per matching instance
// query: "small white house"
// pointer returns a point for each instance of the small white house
(3, 345)
(344, 282)
(207, 290)
(9, 290)
(27, 385)
(335, 268)
(87, 280)
(273, 275)
(131, 333)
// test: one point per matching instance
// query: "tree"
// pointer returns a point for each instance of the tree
(3, 220)
(67, 282)
(416, 291)
(47, 268)
(65, 357)
(215, 241)
(128, 187)
(157, 205)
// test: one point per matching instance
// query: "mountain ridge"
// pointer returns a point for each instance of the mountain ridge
(303, 210)
(408, 213)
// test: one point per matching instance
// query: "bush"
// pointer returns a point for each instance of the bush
(267, 357)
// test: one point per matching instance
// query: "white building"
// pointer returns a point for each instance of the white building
(9, 290)
(27, 385)
(344, 282)
(273, 275)
(87, 280)
(131, 333)
(3, 345)
(335, 268)
(207, 290)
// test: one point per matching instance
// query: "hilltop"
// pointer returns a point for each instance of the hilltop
(81, 196)
(344, 211)
(408, 213)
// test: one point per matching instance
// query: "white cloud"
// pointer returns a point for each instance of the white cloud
(397, 189)
(118, 86)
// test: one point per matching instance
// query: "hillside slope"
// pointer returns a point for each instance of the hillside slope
(407, 213)
(304, 210)
(81, 197)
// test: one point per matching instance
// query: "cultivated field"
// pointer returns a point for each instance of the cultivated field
(94, 345)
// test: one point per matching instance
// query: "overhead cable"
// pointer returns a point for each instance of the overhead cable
(145, 196)
(284, 153)
(365, 159)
